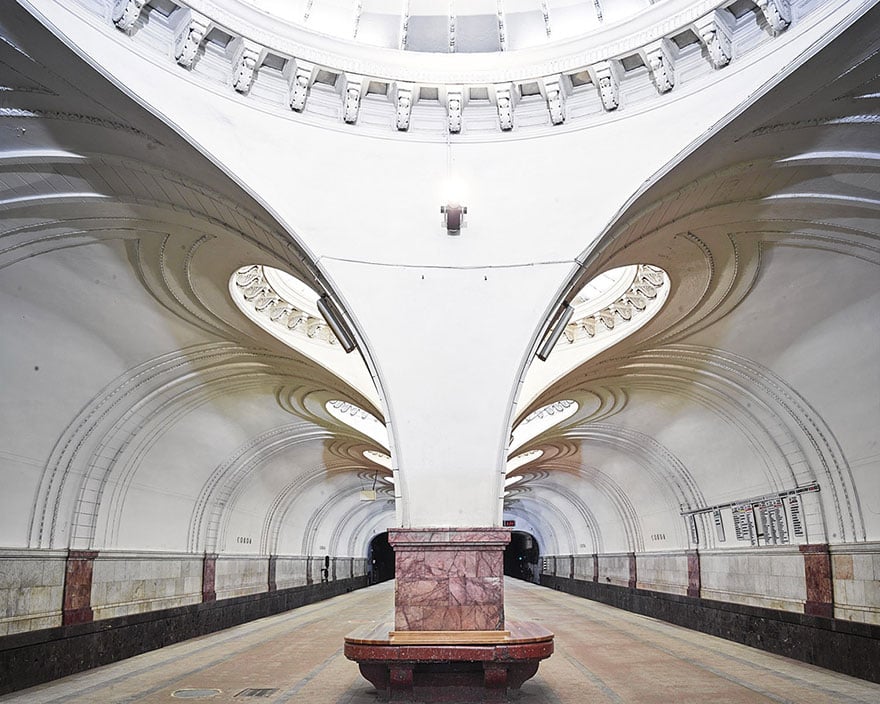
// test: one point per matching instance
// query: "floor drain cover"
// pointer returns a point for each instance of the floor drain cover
(195, 693)
(256, 692)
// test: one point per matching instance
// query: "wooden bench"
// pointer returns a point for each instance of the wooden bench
(438, 666)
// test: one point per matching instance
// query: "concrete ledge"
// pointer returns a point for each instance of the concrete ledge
(843, 646)
(31, 658)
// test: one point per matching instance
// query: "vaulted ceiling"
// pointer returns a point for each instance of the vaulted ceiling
(142, 409)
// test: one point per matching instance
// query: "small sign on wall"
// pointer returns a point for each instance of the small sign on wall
(508, 523)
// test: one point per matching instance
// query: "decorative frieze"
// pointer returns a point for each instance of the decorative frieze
(454, 107)
(777, 13)
(404, 103)
(353, 88)
(246, 59)
(247, 50)
(555, 89)
(126, 13)
(300, 76)
(191, 31)
(659, 57)
(606, 77)
(252, 288)
(715, 31)
(503, 99)
(642, 291)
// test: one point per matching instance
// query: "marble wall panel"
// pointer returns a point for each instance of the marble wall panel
(662, 572)
(290, 571)
(31, 589)
(449, 579)
(614, 569)
(855, 571)
(771, 577)
(238, 575)
(126, 583)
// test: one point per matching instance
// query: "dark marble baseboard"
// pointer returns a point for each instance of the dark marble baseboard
(27, 659)
(842, 646)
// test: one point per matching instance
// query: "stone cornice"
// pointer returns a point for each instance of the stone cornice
(276, 63)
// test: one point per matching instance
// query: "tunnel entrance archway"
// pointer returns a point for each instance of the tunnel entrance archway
(380, 559)
(521, 556)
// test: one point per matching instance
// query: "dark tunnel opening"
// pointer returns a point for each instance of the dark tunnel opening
(380, 559)
(521, 556)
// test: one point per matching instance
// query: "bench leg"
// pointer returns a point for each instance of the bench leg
(494, 682)
(400, 682)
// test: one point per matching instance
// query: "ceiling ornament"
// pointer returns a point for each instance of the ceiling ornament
(642, 296)
(359, 419)
(291, 55)
(254, 294)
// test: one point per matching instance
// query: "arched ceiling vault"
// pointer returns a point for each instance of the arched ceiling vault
(762, 364)
(139, 401)
(141, 408)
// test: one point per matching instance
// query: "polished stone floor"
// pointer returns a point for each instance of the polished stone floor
(602, 655)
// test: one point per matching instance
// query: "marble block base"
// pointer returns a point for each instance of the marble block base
(450, 669)
(449, 579)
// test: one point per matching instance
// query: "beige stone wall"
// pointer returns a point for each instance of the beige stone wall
(613, 569)
(583, 567)
(662, 572)
(771, 577)
(128, 582)
(133, 582)
(31, 589)
(238, 575)
(290, 572)
(855, 570)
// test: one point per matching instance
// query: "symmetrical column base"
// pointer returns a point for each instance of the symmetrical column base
(449, 579)
(449, 669)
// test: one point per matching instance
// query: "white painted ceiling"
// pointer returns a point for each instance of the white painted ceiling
(142, 410)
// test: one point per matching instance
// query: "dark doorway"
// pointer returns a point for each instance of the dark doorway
(380, 559)
(521, 556)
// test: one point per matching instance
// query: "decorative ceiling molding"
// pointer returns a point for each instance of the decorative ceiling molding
(277, 63)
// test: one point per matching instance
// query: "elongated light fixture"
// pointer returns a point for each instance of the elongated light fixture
(331, 314)
(560, 320)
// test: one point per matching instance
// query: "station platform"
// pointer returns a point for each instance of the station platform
(601, 654)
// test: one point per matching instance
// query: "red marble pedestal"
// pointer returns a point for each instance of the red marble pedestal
(451, 669)
(449, 579)
(449, 642)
